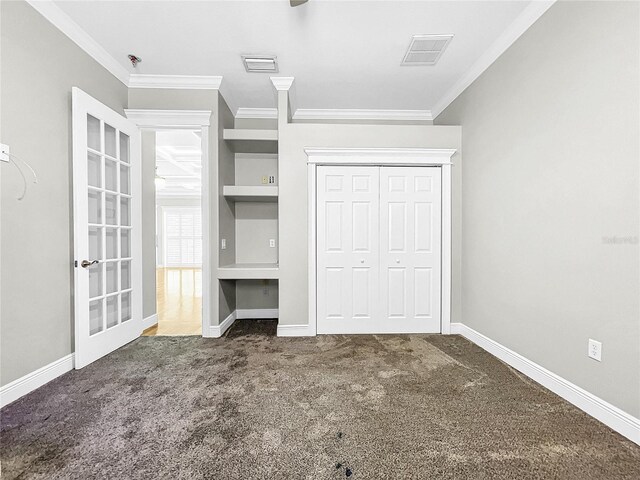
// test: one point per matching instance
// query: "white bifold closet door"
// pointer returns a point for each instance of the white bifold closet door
(378, 249)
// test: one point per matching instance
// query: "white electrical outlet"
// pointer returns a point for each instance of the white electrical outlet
(4, 152)
(272, 242)
(265, 179)
(223, 244)
(272, 179)
(595, 350)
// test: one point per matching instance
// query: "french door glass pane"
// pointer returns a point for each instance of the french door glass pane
(125, 281)
(124, 147)
(125, 306)
(95, 243)
(124, 179)
(111, 209)
(125, 243)
(125, 217)
(95, 317)
(93, 133)
(110, 175)
(112, 243)
(112, 311)
(95, 280)
(112, 277)
(94, 172)
(95, 207)
(109, 140)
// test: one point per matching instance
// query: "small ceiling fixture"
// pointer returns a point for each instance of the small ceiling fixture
(260, 63)
(134, 60)
(295, 3)
(426, 49)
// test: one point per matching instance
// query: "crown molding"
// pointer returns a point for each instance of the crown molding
(49, 10)
(528, 17)
(258, 113)
(362, 114)
(191, 82)
(144, 118)
(282, 83)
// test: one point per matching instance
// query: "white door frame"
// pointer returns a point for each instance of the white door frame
(433, 157)
(151, 119)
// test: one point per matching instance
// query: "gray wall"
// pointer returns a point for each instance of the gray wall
(149, 301)
(551, 152)
(293, 204)
(39, 66)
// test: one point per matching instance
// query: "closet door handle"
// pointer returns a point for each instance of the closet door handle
(362, 260)
(87, 263)
(397, 260)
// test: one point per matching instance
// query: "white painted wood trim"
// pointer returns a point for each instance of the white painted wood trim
(282, 83)
(54, 14)
(313, 249)
(205, 199)
(257, 313)
(150, 321)
(528, 17)
(296, 331)
(380, 156)
(325, 114)
(257, 113)
(28, 383)
(188, 82)
(144, 118)
(445, 268)
(612, 416)
(216, 331)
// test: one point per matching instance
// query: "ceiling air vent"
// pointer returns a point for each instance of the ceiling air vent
(426, 49)
(260, 63)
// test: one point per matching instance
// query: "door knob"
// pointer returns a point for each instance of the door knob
(362, 260)
(397, 260)
(87, 263)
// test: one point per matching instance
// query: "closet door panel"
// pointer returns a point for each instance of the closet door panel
(410, 237)
(348, 249)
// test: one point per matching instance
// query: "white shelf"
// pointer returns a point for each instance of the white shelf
(252, 141)
(251, 193)
(247, 271)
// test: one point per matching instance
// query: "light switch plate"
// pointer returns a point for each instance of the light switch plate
(223, 244)
(4, 152)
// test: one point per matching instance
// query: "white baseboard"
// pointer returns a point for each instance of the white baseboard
(305, 330)
(612, 416)
(216, 331)
(20, 387)
(150, 321)
(256, 313)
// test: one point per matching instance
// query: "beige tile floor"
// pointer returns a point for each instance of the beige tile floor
(179, 301)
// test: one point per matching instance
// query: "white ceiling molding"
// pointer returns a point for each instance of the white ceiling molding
(261, 113)
(380, 156)
(49, 10)
(362, 114)
(191, 82)
(282, 83)
(528, 17)
(169, 118)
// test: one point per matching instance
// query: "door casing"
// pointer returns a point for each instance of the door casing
(381, 157)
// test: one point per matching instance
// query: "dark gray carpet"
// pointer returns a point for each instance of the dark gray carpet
(253, 406)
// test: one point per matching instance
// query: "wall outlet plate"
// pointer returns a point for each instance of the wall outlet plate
(265, 179)
(272, 242)
(4, 152)
(595, 350)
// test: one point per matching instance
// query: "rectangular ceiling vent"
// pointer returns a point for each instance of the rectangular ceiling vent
(260, 63)
(426, 49)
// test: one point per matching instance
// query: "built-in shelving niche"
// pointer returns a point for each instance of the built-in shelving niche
(248, 277)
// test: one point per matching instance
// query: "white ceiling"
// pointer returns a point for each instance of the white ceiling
(343, 55)
(179, 161)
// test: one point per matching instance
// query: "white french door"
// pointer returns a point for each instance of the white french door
(107, 238)
(378, 249)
